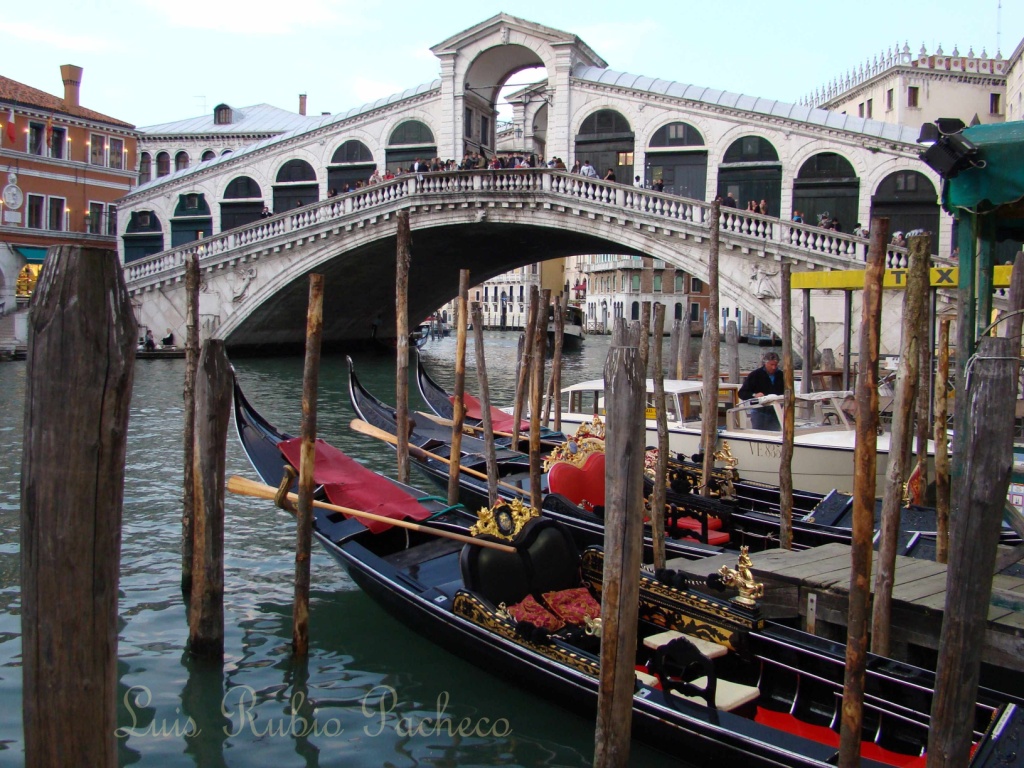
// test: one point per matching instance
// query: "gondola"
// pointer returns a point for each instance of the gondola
(715, 683)
(698, 526)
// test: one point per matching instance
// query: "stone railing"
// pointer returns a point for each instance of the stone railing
(741, 228)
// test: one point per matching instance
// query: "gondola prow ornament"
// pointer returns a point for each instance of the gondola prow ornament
(742, 578)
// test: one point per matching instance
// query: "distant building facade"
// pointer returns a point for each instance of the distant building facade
(63, 168)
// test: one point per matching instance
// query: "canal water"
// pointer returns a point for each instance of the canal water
(373, 693)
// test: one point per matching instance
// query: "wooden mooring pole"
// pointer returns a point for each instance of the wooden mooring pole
(788, 414)
(523, 379)
(458, 407)
(485, 405)
(304, 510)
(673, 350)
(901, 434)
(865, 457)
(402, 261)
(710, 355)
(942, 445)
(540, 338)
(83, 336)
(661, 471)
(645, 335)
(624, 401)
(989, 393)
(212, 420)
(189, 430)
(732, 346)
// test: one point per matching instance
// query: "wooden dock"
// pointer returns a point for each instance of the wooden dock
(812, 587)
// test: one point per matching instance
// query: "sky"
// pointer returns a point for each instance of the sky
(154, 61)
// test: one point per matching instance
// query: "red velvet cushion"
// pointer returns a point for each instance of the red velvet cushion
(577, 484)
(530, 610)
(573, 605)
(714, 523)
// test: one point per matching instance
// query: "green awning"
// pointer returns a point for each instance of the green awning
(33, 254)
(997, 187)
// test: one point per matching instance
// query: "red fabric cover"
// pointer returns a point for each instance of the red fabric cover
(714, 523)
(715, 538)
(573, 605)
(348, 483)
(578, 484)
(500, 421)
(528, 609)
(784, 721)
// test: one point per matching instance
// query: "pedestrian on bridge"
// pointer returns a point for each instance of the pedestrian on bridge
(588, 170)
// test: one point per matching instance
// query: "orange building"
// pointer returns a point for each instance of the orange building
(62, 169)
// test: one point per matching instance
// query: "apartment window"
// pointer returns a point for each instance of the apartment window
(36, 138)
(912, 96)
(57, 138)
(860, 109)
(94, 223)
(635, 283)
(35, 207)
(181, 161)
(657, 283)
(695, 285)
(111, 219)
(97, 146)
(995, 105)
(694, 311)
(145, 168)
(485, 131)
(870, 108)
(625, 158)
(117, 153)
(888, 99)
(56, 216)
(163, 164)
(469, 123)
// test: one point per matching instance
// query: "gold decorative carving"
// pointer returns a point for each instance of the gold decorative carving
(504, 521)
(589, 439)
(742, 577)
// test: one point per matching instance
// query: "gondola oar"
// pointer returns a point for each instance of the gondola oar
(368, 429)
(448, 422)
(246, 487)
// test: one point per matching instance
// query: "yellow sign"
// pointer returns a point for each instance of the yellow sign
(853, 279)
(652, 413)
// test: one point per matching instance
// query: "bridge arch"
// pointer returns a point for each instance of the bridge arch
(143, 235)
(295, 184)
(909, 199)
(409, 136)
(350, 163)
(751, 169)
(605, 137)
(241, 202)
(676, 154)
(827, 182)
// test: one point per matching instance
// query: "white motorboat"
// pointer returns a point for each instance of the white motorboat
(823, 442)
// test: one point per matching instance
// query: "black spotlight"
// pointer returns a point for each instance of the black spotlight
(949, 152)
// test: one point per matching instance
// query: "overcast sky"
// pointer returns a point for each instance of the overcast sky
(154, 61)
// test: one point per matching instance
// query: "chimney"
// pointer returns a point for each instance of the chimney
(302, 104)
(72, 77)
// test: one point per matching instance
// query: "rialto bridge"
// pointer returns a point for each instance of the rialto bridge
(696, 141)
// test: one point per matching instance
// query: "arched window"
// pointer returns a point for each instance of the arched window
(750, 171)
(242, 187)
(909, 200)
(163, 164)
(181, 161)
(602, 123)
(826, 184)
(209, 155)
(634, 311)
(826, 166)
(677, 135)
(143, 236)
(296, 170)
(352, 151)
(222, 115)
(145, 167)
(411, 132)
(751, 149)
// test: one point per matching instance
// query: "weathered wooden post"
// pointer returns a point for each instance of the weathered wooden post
(684, 349)
(673, 351)
(645, 335)
(304, 509)
(907, 375)
(807, 384)
(624, 400)
(212, 419)
(924, 380)
(712, 338)
(403, 258)
(865, 455)
(522, 381)
(458, 407)
(485, 405)
(989, 393)
(72, 486)
(189, 431)
(555, 382)
(788, 414)
(942, 446)
(536, 404)
(661, 469)
(732, 344)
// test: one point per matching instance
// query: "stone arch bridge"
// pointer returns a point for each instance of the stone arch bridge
(254, 278)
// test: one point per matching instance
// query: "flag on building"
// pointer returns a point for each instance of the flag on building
(49, 132)
(10, 124)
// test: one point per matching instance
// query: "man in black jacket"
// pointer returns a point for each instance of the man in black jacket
(766, 380)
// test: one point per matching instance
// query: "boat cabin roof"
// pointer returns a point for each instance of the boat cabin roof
(672, 386)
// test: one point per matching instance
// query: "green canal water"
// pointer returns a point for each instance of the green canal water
(371, 691)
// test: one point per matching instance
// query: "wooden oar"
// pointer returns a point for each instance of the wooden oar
(448, 422)
(368, 429)
(246, 487)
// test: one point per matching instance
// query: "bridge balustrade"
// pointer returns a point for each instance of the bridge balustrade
(751, 230)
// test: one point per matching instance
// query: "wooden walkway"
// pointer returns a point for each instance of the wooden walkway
(814, 584)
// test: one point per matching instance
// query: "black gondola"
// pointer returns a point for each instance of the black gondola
(767, 696)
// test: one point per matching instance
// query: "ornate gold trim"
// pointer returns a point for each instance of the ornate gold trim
(505, 520)
(742, 577)
(589, 439)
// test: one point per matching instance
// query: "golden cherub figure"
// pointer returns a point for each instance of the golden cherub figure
(742, 577)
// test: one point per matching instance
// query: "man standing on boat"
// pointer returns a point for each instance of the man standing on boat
(766, 380)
